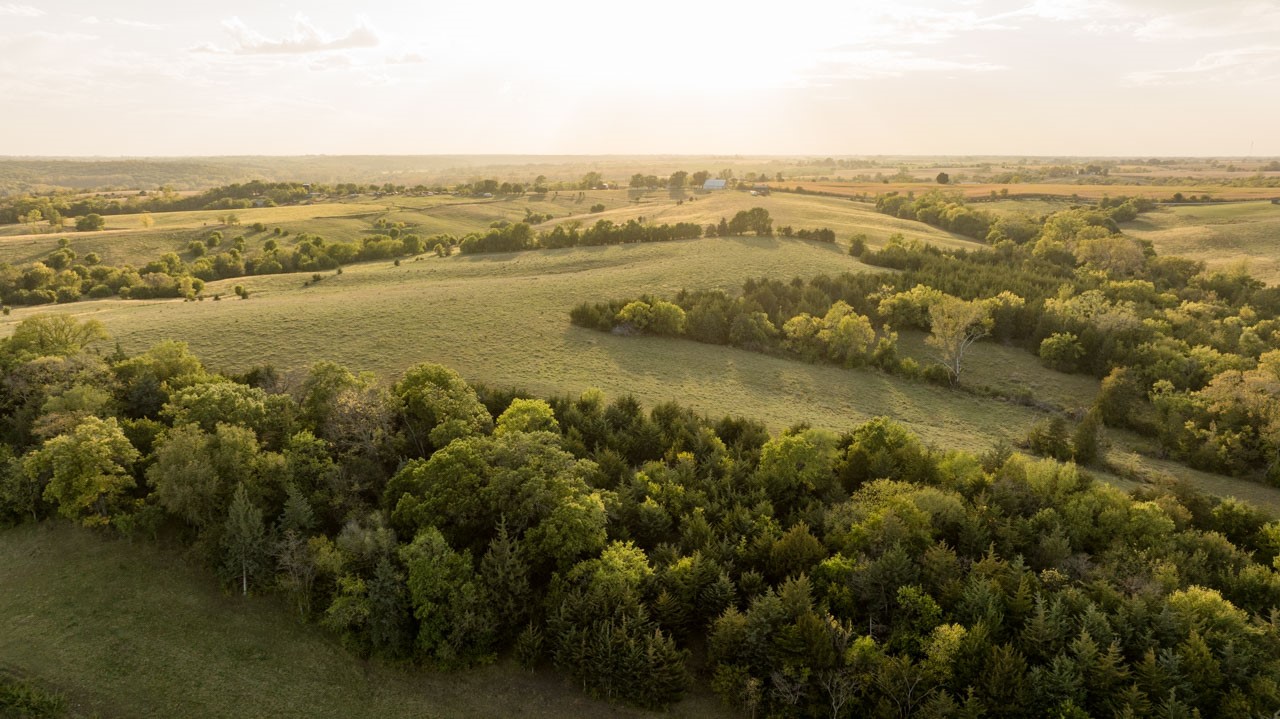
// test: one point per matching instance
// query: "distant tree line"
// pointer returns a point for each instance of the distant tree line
(52, 207)
(513, 237)
(65, 276)
(814, 573)
(950, 212)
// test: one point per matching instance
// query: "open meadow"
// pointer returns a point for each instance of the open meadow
(126, 240)
(1223, 236)
(468, 312)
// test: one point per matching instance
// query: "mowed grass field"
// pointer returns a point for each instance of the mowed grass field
(1035, 189)
(135, 630)
(1220, 235)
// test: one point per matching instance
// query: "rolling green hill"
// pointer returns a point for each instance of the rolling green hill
(469, 312)
(126, 240)
(1225, 235)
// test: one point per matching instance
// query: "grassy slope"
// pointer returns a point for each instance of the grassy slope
(503, 319)
(468, 312)
(131, 630)
(471, 312)
(1221, 235)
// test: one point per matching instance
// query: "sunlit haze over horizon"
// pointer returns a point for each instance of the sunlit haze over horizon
(1009, 77)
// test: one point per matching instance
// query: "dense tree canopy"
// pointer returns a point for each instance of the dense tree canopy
(808, 573)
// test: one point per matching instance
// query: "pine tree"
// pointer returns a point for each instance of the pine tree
(506, 580)
(670, 613)
(244, 539)
(1043, 633)
(1085, 444)
(1103, 679)
(297, 515)
(390, 629)
(716, 597)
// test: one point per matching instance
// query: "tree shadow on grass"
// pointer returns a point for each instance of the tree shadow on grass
(718, 380)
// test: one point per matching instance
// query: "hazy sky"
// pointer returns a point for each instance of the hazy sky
(1069, 77)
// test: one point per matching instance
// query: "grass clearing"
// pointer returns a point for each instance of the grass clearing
(129, 629)
(1010, 371)
(1220, 235)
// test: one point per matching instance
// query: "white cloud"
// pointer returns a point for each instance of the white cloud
(895, 25)
(304, 38)
(870, 64)
(1155, 20)
(137, 23)
(337, 61)
(19, 10)
(1247, 65)
(1217, 22)
(43, 38)
(407, 58)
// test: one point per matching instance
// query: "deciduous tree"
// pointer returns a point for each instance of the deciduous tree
(87, 470)
(954, 325)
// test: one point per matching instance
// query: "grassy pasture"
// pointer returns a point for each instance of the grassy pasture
(471, 313)
(127, 241)
(203, 218)
(1221, 235)
(503, 319)
(1037, 189)
(1010, 371)
(1026, 206)
(133, 629)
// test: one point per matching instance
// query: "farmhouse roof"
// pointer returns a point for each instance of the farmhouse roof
(714, 184)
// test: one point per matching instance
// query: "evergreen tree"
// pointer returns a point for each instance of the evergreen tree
(505, 576)
(244, 539)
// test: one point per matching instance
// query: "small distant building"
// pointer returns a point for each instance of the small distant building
(760, 188)
(715, 184)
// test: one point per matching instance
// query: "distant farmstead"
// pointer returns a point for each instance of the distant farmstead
(715, 184)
